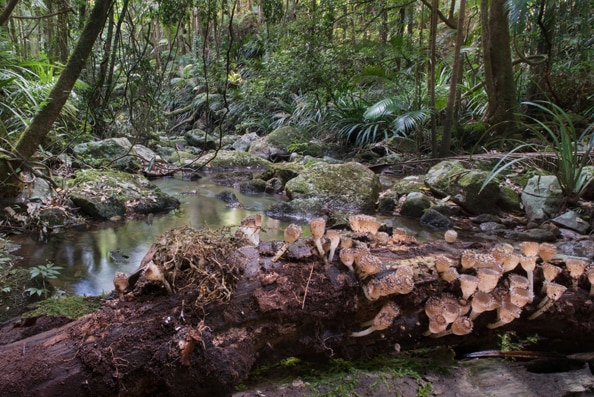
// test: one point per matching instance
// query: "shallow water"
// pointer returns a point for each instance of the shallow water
(90, 256)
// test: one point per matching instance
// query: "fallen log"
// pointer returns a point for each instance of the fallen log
(232, 309)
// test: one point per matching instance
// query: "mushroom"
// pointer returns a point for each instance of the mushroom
(468, 259)
(506, 313)
(464, 306)
(382, 238)
(347, 257)
(450, 236)
(443, 263)
(433, 306)
(334, 237)
(488, 261)
(120, 282)
(346, 242)
(382, 320)
(450, 275)
(528, 263)
(481, 302)
(488, 279)
(317, 227)
(152, 272)
(367, 265)
(530, 248)
(550, 271)
(547, 251)
(396, 282)
(249, 229)
(292, 234)
(590, 275)
(399, 235)
(451, 311)
(461, 326)
(576, 268)
(515, 280)
(511, 262)
(437, 324)
(519, 296)
(365, 224)
(501, 251)
(554, 292)
(468, 285)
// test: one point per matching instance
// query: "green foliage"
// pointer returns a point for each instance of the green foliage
(509, 341)
(45, 272)
(72, 307)
(556, 133)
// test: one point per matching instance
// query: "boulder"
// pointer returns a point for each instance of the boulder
(298, 210)
(275, 145)
(242, 144)
(228, 160)
(113, 152)
(570, 220)
(436, 220)
(229, 198)
(103, 195)
(452, 178)
(201, 139)
(350, 187)
(415, 204)
(542, 196)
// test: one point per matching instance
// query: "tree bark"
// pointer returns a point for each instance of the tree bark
(44, 119)
(499, 75)
(5, 16)
(154, 343)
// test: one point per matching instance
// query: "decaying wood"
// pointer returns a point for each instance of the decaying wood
(156, 343)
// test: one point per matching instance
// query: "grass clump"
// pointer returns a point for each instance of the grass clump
(72, 306)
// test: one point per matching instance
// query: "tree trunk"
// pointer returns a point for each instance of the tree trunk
(154, 343)
(5, 16)
(499, 75)
(43, 120)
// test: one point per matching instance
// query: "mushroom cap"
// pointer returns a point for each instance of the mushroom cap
(519, 296)
(486, 260)
(252, 221)
(292, 233)
(590, 273)
(120, 281)
(382, 238)
(433, 306)
(550, 271)
(516, 280)
(528, 263)
(530, 248)
(508, 312)
(554, 290)
(450, 275)
(389, 284)
(481, 302)
(317, 227)
(450, 236)
(576, 267)
(464, 306)
(399, 235)
(468, 284)
(443, 263)
(501, 251)
(468, 260)
(437, 324)
(385, 317)
(451, 311)
(346, 242)
(511, 262)
(488, 279)
(334, 236)
(364, 224)
(347, 256)
(547, 251)
(368, 265)
(360, 250)
(462, 326)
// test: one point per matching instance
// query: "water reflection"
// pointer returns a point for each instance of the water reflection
(91, 257)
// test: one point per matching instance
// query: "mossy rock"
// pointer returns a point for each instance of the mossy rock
(230, 160)
(348, 187)
(113, 152)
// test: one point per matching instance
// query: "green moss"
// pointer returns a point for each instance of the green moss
(72, 307)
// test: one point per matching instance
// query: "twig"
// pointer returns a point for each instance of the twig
(307, 287)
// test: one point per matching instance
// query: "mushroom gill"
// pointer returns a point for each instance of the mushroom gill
(506, 313)
(382, 320)
(576, 268)
(461, 326)
(554, 291)
(292, 234)
(437, 324)
(334, 237)
(317, 227)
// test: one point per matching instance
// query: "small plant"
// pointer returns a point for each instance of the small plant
(510, 341)
(46, 272)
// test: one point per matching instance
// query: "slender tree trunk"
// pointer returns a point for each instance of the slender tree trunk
(432, 77)
(499, 75)
(43, 120)
(453, 94)
(7, 11)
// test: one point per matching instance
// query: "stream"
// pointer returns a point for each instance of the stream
(90, 256)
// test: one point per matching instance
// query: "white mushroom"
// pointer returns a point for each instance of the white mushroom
(488, 279)
(334, 237)
(547, 251)
(450, 236)
(347, 257)
(481, 302)
(292, 234)
(382, 320)
(120, 282)
(249, 229)
(365, 224)
(528, 263)
(317, 227)
(554, 292)
(468, 285)
(576, 268)
(506, 313)
(367, 265)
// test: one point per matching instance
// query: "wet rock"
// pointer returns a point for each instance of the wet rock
(103, 195)
(232, 178)
(115, 152)
(253, 186)
(415, 205)
(483, 218)
(229, 198)
(39, 190)
(347, 187)
(242, 144)
(274, 145)
(400, 144)
(452, 178)
(570, 220)
(298, 210)
(229, 160)
(387, 202)
(413, 183)
(274, 185)
(491, 226)
(540, 235)
(509, 200)
(436, 220)
(541, 197)
(201, 139)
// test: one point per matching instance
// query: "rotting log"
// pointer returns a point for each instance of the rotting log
(152, 343)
